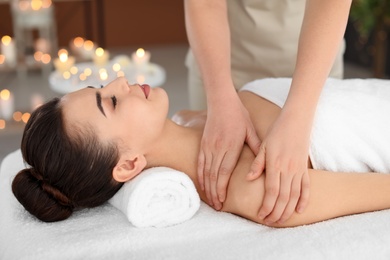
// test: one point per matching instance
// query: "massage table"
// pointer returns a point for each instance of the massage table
(105, 233)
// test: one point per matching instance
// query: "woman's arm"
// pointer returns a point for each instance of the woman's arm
(333, 194)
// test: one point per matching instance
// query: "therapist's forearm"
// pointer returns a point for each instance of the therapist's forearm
(321, 36)
(209, 37)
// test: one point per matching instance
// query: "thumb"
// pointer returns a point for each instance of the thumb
(258, 165)
(253, 141)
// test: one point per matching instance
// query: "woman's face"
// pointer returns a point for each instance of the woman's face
(133, 116)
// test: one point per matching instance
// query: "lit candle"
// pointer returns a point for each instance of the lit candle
(6, 104)
(88, 49)
(101, 57)
(141, 59)
(63, 62)
(9, 50)
(76, 45)
(103, 74)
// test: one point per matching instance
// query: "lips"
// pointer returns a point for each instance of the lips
(146, 89)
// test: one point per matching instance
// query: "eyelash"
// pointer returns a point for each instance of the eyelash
(114, 101)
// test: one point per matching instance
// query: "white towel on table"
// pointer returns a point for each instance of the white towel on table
(158, 197)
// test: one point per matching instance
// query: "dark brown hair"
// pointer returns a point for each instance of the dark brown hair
(65, 172)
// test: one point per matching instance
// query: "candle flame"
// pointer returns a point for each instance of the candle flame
(66, 75)
(2, 58)
(5, 94)
(74, 70)
(99, 52)
(116, 67)
(140, 52)
(25, 117)
(36, 4)
(17, 116)
(78, 42)
(46, 58)
(88, 72)
(6, 40)
(88, 45)
(103, 74)
(38, 55)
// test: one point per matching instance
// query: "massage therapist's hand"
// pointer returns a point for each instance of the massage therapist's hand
(284, 155)
(227, 128)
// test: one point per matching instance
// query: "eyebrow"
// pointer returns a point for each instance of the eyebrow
(99, 102)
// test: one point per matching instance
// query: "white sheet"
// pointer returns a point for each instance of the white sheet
(105, 233)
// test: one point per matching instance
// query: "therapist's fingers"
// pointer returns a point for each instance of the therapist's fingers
(206, 177)
(294, 197)
(281, 200)
(200, 170)
(258, 165)
(305, 193)
(272, 187)
(215, 178)
(225, 172)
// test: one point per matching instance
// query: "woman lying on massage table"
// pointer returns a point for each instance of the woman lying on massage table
(82, 147)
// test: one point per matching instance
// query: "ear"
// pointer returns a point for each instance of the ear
(128, 167)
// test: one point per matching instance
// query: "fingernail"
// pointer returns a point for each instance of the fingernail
(299, 210)
(261, 216)
(221, 198)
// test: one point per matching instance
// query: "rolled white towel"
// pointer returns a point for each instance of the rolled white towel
(158, 197)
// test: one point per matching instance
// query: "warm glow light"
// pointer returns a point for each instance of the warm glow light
(36, 4)
(46, 58)
(88, 72)
(17, 116)
(2, 123)
(88, 45)
(103, 74)
(116, 67)
(5, 94)
(74, 70)
(2, 59)
(46, 4)
(63, 57)
(78, 42)
(38, 55)
(66, 75)
(99, 52)
(140, 52)
(6, 40)
(25, 117)
(82, 77)
(120, 74)
(63, 54)
(61, 51)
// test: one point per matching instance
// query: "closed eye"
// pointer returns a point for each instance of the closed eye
(114, 101)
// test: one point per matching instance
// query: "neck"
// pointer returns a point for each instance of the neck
(177, 148)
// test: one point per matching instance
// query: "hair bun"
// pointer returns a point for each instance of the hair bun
(39, 197)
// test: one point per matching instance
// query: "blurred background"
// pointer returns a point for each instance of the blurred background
(50, 46)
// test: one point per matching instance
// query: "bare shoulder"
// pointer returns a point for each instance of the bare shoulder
(262, 112)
